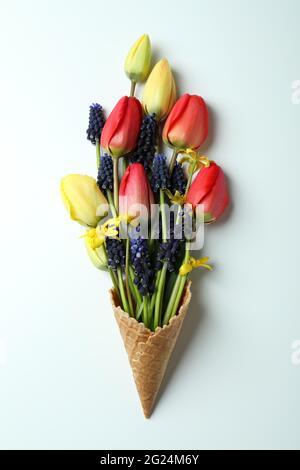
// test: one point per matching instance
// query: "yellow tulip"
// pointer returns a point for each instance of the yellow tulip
(96, 249)
(160, 90)
(138, 60)
(83, 199)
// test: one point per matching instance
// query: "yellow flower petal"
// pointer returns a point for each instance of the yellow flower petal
(193, 263)
(82, 198)
(138, 60)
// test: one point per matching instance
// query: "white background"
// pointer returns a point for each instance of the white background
(64, 377)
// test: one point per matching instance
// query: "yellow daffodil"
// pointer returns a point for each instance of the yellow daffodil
(193, 263)
(194, 160)
(176, 198)
(95, 249)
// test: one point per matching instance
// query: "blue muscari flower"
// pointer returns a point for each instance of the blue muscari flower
(170, 250)
(105, 173)
(144, 273)
(160, 178)
(96, 123)
(178, 179)
(145, 149)
(115, 253)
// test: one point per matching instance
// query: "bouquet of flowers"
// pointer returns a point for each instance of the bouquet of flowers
(144, 211)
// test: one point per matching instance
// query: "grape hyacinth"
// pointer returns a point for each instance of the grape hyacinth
(144, 274)
(105, 173)
(178, 179)
(160, 174)
(145, 149)
(169, 250)
(96, 123)
(115, 253)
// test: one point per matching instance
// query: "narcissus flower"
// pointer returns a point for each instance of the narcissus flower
(135, 191)
(95, 249)
(83, 199)
(187, 123)
(160, 91)
(120, 132)
(138, 60)
(210, 189)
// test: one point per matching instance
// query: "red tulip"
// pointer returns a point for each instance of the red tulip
(120, 132)
(210, 189)
(187, 124)
(135, 191)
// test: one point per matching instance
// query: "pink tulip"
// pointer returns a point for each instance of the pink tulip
(135, 191)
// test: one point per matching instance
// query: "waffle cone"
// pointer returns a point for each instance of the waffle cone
(149, 352)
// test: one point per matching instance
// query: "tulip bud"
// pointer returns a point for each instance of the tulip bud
(83, 199)
(120, 132)
(160, 91)
(187, 123)
(135, 191)
(138, 60)
(210, 189)
(96, 253)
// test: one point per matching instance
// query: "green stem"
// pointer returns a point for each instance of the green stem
(173, 160)
(152, 303)
(114, 280)
(124, 164)
(134, 288)
(122, 291)
(182, 282)
(111, 203)
(145, 311)
(162, 279)
(172, 300)
(159, 297)
(128, 292)
(116, 184)
(132, 88)
(98, 152)
(191, 172)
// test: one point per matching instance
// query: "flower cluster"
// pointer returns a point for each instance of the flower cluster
(160, 179)
(96, 123)
(144, 273)
(178, 179)
(115, 253)
(133, 176)
(105, 173)
(145, 149)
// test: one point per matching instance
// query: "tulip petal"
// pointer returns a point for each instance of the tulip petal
(134, 190)
(120, 132)
(202, 184)
(218, 199)
(187, 124)
(174, 115)
(82, 198)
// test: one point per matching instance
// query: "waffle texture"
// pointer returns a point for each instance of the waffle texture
(149, 352)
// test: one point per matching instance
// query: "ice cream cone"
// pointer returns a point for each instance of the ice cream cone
(149, 352)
